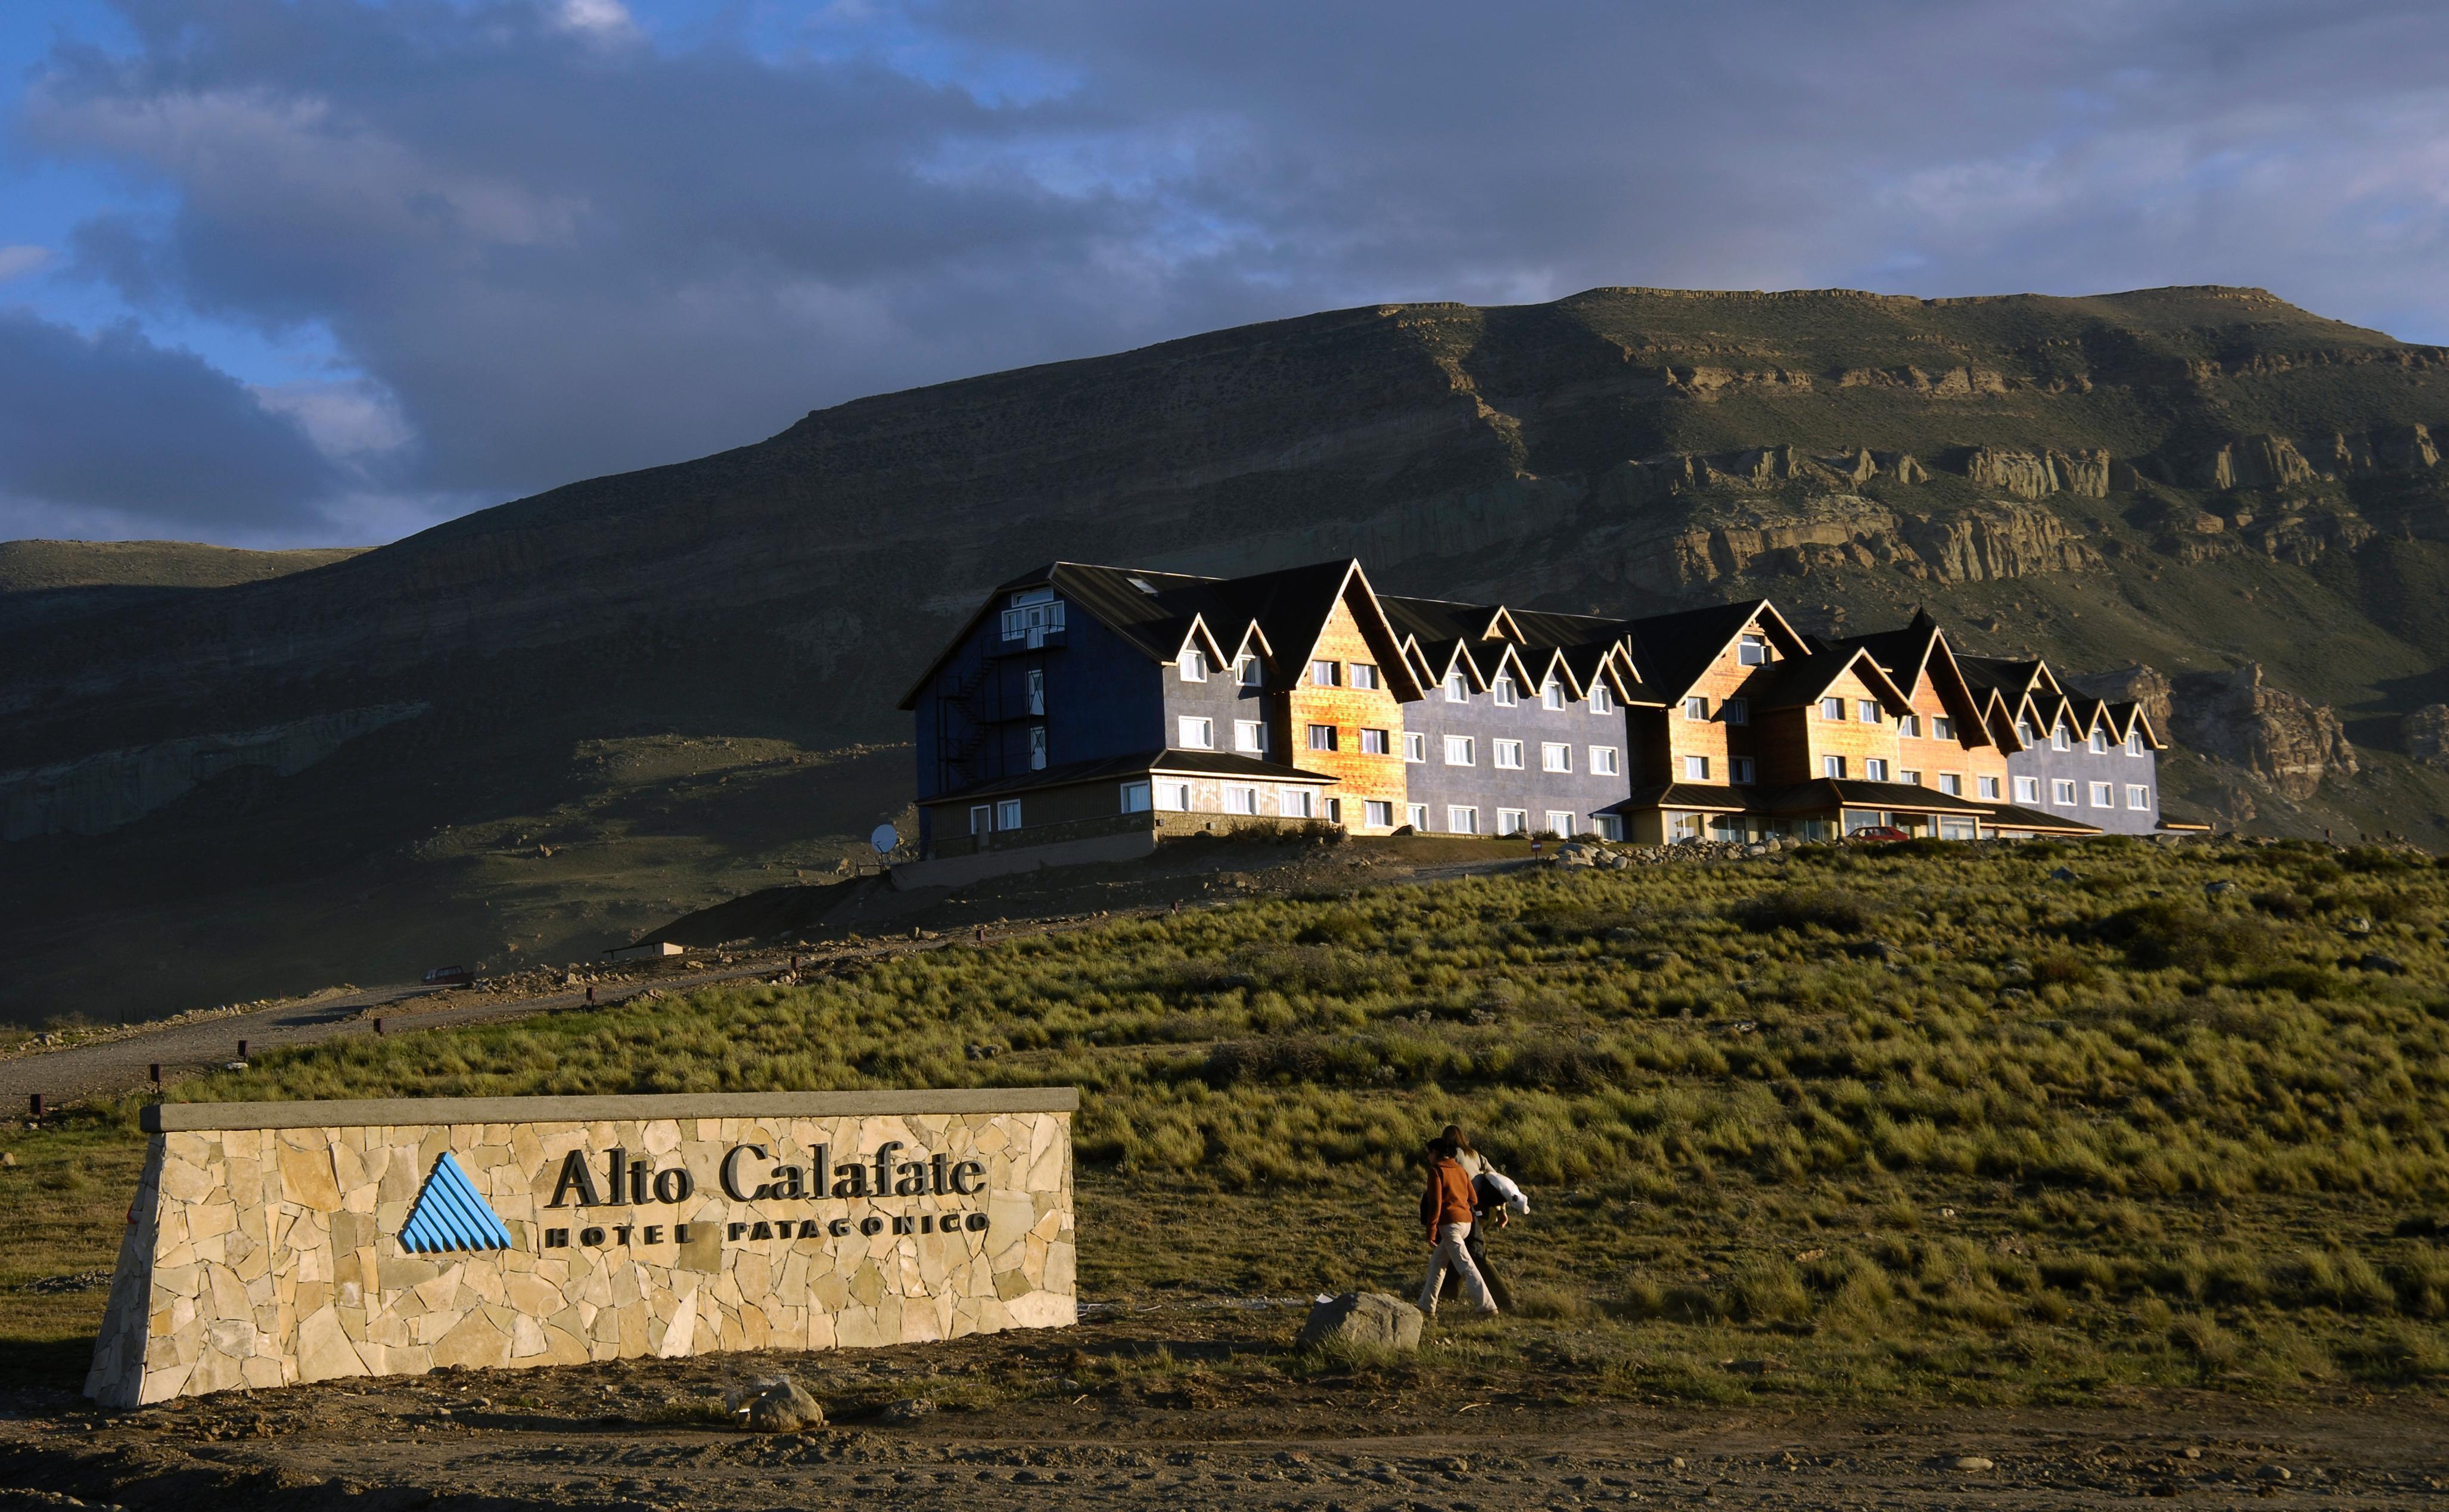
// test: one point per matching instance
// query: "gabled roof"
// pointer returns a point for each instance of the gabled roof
(1674, 650)
(1919, 650)
(1798, 681)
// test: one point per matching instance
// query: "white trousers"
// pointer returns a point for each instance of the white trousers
(1451, 1255)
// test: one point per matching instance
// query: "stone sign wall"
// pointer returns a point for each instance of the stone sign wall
(275, 1243)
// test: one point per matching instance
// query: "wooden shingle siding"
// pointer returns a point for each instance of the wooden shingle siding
(1348, 710)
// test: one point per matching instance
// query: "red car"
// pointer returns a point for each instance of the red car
(451, 976)
(1877, 832)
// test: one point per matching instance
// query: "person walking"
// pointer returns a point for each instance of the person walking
(1445, 1213)
(1492, 1192)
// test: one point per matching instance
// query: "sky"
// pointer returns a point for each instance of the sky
(283, 273)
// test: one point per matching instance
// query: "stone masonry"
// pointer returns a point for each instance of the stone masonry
(263, 1246)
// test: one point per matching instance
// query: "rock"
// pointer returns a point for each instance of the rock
(2192, 1452)
(2287, 741)
(776, 1404)
(1367, 1319)
(1997, 541)
(2426, 734)
(1676, 1462)
(1972, 1462)
(2377, 962)
(2220, 889)
(2272, 1472)
(2134, 683)
(2061, 874)
(909, 1410)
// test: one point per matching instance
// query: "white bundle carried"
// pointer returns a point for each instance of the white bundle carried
(1502, 1186)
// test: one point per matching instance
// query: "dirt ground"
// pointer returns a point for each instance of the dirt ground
(1129, 1411)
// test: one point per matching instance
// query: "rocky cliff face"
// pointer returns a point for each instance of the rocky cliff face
(2137, 685)
(2283, 738)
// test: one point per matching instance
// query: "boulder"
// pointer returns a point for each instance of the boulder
(1371, 1320)
(2136, 684)
(776, 1403)
(909, 1410)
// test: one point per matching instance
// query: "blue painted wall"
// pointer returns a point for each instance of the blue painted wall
(2081, 766)
(1488, 787)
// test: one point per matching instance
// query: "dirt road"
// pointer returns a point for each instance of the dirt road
(1141, 1429)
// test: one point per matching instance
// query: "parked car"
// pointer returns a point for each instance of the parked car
(1876, 832)
(451, 976)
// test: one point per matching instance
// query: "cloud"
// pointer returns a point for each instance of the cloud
(123, 437)
(19, 260)
(550, 239)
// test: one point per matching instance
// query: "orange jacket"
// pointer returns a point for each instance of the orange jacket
(1448, 1198)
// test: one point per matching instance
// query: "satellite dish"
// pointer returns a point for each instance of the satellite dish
(885, 838)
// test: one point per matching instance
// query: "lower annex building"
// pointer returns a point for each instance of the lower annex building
(1083, 701)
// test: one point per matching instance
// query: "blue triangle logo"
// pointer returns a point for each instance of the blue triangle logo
(448, 1215)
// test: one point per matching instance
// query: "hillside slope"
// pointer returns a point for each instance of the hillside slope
(2192, 478)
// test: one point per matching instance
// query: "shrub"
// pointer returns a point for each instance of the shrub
(1840, 911)
(2160, 934)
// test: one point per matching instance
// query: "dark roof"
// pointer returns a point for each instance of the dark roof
(1672, 650)
(2007, 675)
(1845, 792)
(1204, 763)
(1687, 796)
(1901, 653)
(1798, 681)
(2011, 817)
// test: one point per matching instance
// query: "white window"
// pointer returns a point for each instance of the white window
(1378, 813)
(1832, 708)
(1376, 742)
(1554, 755)
(1602, 699)
(1696, 769)
(1603, 760)
(2099, 742)
(1458, 691)
(1512, 821)
(1832, 766)
(1951, 783)
(1037, 748)
(1251, 735)
(1683, 826)
(1752, 650)
(2024, 732)
(1173, 796)
(1876, 769)
(1193, 663)
(1696, 707)
(1989, 787)
(1036, 690)
(1194, 734)
(1326, 674)
(2104, 796)
(1867, 710)
(981, 820)
(1559, 822)
(1335, 811)
(1505, 691)
(2059, 740)
(2139, 797)
(1365, 675)
(2062, 792)
(1509, 754)
(1610, 826)
(1033, 614)
(1551, 696)
(1739, 770)
(1416, 746)
(1417, 816)
(1736, 711)
(2135, 744)
(1135, 797)
(2028, 790)
(1247, 673)
(1321, 737)
(1008, 815)
(1909, 725)
(1909, 776)
(1458, 752)
(1461, 820)
(1296, 803)
(1942, 728)
(1240, 799)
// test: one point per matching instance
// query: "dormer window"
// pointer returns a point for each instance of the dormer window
(1696, 707)
(1458, 689)
(2100, 742)
(2059, 740)
(1602, 699)
(1551, 696)
(1504, 691)
(1752, 650)
(1942, 728)
(2024, 732)
(1032, 615)
(2135, 744)
(1193, 663)
(1246, 672)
